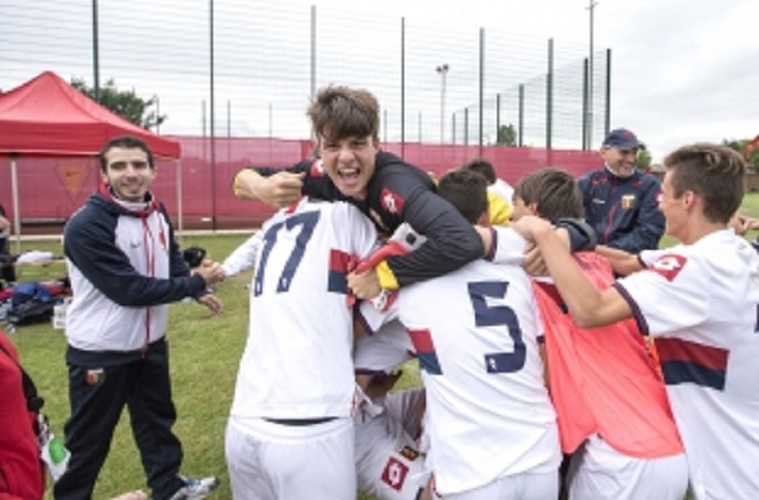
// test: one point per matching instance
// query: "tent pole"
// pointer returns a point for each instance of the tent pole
(180, 216)
(16, 214)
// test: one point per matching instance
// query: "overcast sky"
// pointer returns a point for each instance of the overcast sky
(682, 70)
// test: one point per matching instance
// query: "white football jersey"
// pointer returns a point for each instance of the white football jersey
(701, 303)
(475, 333)
(388, 463)
(297, 362)
(385, 350)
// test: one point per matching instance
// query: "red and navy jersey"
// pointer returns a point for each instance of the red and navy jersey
(623, 211)
(488, 410)
(701, 303)
(301, 325)
(399, 192)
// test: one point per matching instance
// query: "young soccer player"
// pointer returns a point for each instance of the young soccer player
(491, 426)
(614, 416)
(352, 167)
(290, 433)
(699, 300)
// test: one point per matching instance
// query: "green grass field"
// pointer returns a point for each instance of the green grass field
(205, 352)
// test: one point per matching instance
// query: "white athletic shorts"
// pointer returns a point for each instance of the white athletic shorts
(599, 472)
(286, 462)
(524, 486)
(388, 464)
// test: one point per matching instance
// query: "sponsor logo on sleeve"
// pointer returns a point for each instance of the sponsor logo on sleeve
(317, 169)
(669, 266)
(392, 202)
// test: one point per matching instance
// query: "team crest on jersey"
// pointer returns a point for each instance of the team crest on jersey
(628, 201)
(395, 474)
(391, 201)
(669, 266)
(409, 453)
(317, 169)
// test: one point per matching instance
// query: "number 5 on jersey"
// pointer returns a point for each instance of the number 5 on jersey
(485, 315)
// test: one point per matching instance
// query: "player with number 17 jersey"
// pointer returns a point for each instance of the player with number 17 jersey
(297, 363)
(476, 333)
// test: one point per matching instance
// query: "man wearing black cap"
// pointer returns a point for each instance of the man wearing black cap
(621, 202)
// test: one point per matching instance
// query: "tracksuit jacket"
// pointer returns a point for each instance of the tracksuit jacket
(623, 211)
(120, 259)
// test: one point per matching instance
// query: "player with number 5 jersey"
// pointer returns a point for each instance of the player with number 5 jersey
(476, 332)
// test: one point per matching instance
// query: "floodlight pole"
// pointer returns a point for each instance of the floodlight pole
(95, 52)
(591, 8)
(443, 71)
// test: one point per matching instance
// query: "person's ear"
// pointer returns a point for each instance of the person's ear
(690, 200)
(533, 209)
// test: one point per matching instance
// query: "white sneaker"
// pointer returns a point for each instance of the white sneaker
(195, 489)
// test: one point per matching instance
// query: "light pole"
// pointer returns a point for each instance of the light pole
(591, 7)
(443, 70)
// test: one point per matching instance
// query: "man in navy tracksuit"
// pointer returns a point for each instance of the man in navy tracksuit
(621, 202)
(125, 267)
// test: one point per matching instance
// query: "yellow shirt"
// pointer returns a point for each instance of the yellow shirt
(499, 209)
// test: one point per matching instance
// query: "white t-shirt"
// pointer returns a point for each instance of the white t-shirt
(701, 303)
(503, 189)
(297, 363)
(475, 333)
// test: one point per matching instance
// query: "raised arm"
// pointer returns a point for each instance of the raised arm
(623, 263)
(588, 306)
(278, 189)
(451, 240)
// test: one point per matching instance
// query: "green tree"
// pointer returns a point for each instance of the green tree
(125, 103)
(740, 146)
(644, 157)
(507, 135)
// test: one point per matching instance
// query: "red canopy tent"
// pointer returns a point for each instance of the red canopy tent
(47, 116)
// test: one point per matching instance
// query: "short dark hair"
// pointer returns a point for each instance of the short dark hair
(126, 142)
(554, 191)
(482, 167)
(467, 191)
(342, 112)
(712, 171)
